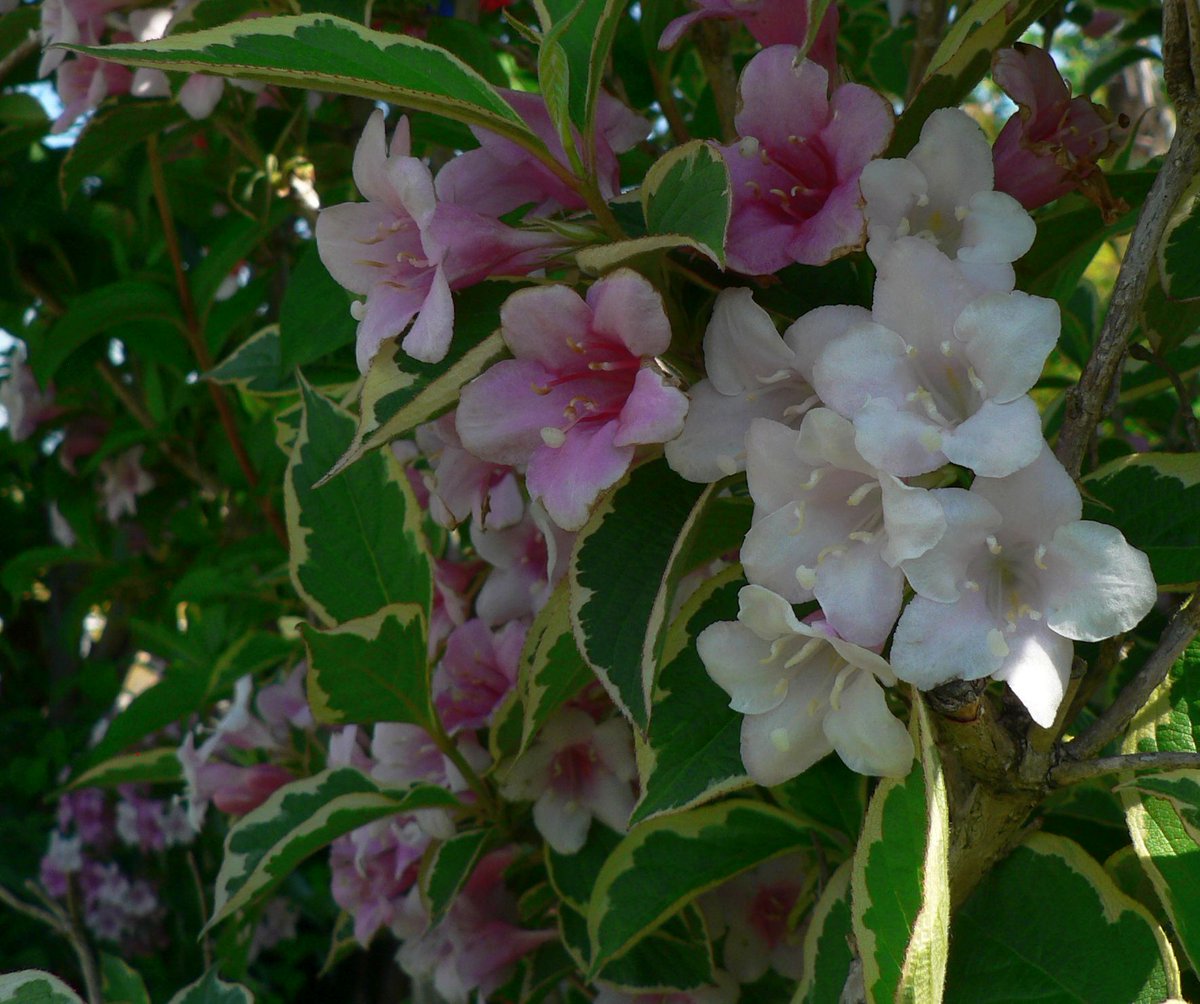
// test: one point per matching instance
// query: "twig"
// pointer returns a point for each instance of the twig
(931, 27)
(1085, 403)
(195, 340)
(184, 464)
(1178, 635)
(1074, 771)
(712, 43)
(64, 925)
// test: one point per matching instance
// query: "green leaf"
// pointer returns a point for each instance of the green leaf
(1179, 249)
(828, 794)
(667, 862)
(673, 958)
(1153, 498)
(1048, 924)
(688, 192)
(211, 989)
(963, 59)
(584, 31)
(447, 869)
(573, 876)
(470, 43)
(156, 766)
(900, 880)
(693, 753)
(212, 14)
(121, 984)
(95, 312)
(314, 317)
(267, 843)
(1166, 839)
(399, 393)
(827, 955)
(551, 670)
(325, 53)
(371, 669)
(356, 543)
(602, 258)
(109, 134)
(32, 986)
(1181, 788)
(623, 574)
(256, 366)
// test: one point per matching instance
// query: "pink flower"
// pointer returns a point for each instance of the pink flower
(404, 251)
(501, 176)
(528, 560)
(574, 771)
(795, 171)
(581, 394)
(462, 485)
(124, 480)
(82, 83)
(27, 405)
(478, 940)
(476, 673)
(771, 22)
(1050, 147)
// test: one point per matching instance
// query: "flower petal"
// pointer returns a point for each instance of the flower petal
(1008, 337)
(628, 310)
(998, 439)
(936, 642)
(865, 733)
(1037, 670)
(569, 478)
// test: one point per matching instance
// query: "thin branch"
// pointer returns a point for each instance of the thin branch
(182, 463)
(34, 912)
(66, 926)
(712, 43)
(1179, 634)
(195, 340)
(931, 28)
(1074, 771)
(1085, 403)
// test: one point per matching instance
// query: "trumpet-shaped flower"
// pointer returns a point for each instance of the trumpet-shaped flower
(752, 373)
(805, 693)
(828, 525)
(943, 192)
(1050, 147)
(941, 370)
(795, 170)
(462, 485)
(528, 560)
(574, 771)
(1015, 579)
(582, 393)
(476, 673)
(404, 251)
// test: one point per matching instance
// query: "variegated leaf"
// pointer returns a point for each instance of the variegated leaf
(623, 575)
(266, 844)
(326, 53)
(255, 366)
(1048, 924)
(900, 881)
(398, 393)
(688, 193)
(156, 766)
(356, 543)
(1162, 820)
(693, 749)
(666, 863)
(33, 986)
(447, 867)
(827, 955)
(211, 989)
(371, 669)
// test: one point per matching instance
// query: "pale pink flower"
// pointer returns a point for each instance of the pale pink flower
(501, 176)
(372, 868)
(795, 170)
(124, 481)
(404, 251)
(26, 404)
(476, 673)
(1016, 578)
(471, 951)
(462, 485)
(804, 692)
(771, 22)
(752, 373)
(754, 912)
(71, 22)
(582, 393)
(574, 771)
(1050, 147)
(528, 560)
(82, 83)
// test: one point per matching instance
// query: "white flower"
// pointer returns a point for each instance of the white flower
(1016, 577)
(940, 370)
(124, 480)
(943, 192)
(575, 770)
(805, 693)
(752, 373)
(827, 525)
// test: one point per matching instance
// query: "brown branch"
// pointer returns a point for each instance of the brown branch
(195, 340)
(712, 44)
(931, 27)
(1085, 402)
(1179, 633)
(1074, 771)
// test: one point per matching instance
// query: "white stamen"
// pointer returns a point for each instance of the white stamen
(960, 213)
(862, 536)
(922, 200)
(996, 644)
(1039, 557)
(994, 545)
(807, 577)
(552, 437)
(726, 464)
(861, 492)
